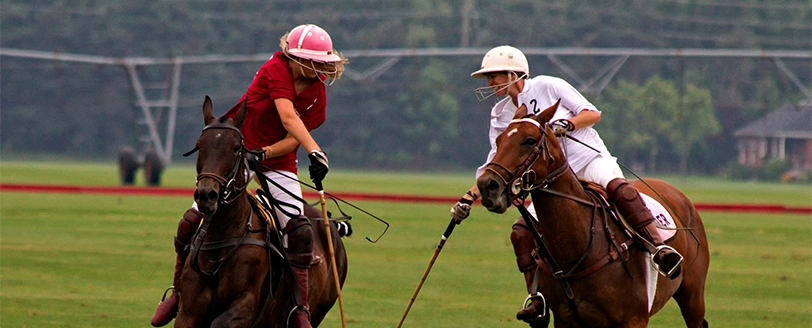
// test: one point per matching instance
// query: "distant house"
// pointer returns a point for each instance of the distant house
(784, 133)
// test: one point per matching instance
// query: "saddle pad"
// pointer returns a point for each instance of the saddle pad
(257, 201)
(662, 219)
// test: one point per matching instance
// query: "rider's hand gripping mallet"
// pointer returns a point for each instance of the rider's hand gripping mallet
(446, 234)
(320, 189)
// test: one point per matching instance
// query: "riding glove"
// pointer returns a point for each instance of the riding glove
(461, 209)
(256, 156)
(318, 165)
(561, 127)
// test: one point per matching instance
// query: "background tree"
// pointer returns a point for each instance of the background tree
(420, 113)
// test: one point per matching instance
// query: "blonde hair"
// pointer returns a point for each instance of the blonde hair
(338, 66)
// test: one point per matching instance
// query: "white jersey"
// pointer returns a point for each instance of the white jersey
(501, 115)
(543, 91)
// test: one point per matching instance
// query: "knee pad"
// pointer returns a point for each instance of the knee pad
(186, 229)
(300, 242)
(523, 246)
(629, 203)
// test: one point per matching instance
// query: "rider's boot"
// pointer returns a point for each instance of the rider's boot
(168, 307)
(534, 309)
(632, 207)
(300, 255)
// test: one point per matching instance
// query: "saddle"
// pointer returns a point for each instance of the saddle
(662, 218)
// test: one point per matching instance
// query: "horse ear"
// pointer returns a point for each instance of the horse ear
(208, 117)
(521, 112)
(548, 113)
(238, 120)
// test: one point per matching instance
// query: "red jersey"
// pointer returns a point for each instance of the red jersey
(262, 125)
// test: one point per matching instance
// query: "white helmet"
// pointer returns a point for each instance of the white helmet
(503, 59)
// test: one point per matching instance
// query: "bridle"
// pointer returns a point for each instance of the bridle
(523, 178)
(229, 191)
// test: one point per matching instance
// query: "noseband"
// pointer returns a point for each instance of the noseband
(228, 189)
(523, 179)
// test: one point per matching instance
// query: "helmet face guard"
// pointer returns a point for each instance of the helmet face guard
(327, 73)
(483, 93)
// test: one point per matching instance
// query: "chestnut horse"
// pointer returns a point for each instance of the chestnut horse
(599, 281)
(235, 273)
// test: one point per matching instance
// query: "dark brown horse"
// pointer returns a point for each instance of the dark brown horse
(605, 281)
(234, 275)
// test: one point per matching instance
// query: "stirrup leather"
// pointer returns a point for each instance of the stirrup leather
(528, 302)
(657, 250)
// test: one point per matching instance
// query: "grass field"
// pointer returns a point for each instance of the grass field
(103, 261)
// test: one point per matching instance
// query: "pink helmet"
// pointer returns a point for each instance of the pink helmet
(311, 42)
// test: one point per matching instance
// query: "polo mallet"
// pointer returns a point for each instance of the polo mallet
(446, 234)
(320, 189)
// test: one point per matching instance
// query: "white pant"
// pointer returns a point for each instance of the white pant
(601, 170)
(289, 181)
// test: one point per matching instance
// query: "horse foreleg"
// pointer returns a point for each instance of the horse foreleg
(241, 313)
(188, 320)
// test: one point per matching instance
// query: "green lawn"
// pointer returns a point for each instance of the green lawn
(103, 261)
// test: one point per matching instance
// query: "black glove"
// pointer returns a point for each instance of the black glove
(254, 157)
(561, 127)
(318, 165)
(461, 209)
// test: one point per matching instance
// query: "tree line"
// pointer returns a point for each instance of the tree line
(660, 114)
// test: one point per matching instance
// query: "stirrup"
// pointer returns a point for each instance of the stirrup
(297, 308)
(163, 298)
(528, 302)
(676, 266)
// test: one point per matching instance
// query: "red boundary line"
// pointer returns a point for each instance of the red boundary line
(188, 192)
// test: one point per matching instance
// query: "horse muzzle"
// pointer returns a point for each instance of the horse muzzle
(207, 198)
(494, 194)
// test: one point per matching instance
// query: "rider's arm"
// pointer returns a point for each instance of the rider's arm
(293, 124)
(281, 147)
(585, 118)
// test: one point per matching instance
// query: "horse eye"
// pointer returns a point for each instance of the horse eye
(529, 142)
(237, 149)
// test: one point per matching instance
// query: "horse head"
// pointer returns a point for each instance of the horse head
(221, 174)
(528, 156)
